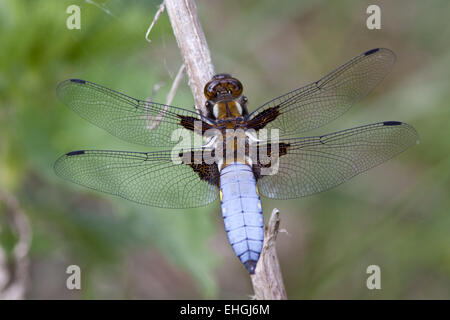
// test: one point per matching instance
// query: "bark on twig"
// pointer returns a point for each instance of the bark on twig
(192, 43)
(14, 271)
(267, 280)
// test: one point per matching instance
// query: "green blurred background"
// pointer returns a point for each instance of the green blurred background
(396, 216)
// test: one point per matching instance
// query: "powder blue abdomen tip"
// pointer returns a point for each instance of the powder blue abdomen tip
(242, 213)
(251, 266)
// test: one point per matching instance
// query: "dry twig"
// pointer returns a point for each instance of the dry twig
(267, 280)
(155, 19)
(193, 46)
(14, 273)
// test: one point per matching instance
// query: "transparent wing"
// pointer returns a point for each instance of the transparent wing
(148, 178)
(315, 164)
(320, 102)
(130, 119)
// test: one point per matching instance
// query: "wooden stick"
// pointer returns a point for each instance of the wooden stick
(192, 43)
(155, 19)
(267, 280)
(14, 274)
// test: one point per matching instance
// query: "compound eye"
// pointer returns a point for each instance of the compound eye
(220, 84)
(209, 91)
(235, 87)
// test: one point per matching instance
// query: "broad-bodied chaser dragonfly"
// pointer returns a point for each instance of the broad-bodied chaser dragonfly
(185, 179)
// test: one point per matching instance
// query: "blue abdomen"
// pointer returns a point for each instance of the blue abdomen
(242, 213)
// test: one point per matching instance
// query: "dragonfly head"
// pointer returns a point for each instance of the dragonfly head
(224, 97)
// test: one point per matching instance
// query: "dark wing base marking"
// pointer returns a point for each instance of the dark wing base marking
(260, 120)
(207, 172)
(188, 123)
(257, 164)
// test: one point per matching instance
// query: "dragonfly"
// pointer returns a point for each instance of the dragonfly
(293, 166)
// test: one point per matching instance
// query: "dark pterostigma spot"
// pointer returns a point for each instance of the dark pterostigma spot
(392, 123)
(367, 53)
(78, 81)
(75, 153)
(250, 265)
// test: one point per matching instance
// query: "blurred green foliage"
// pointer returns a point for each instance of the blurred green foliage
(396, 216)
